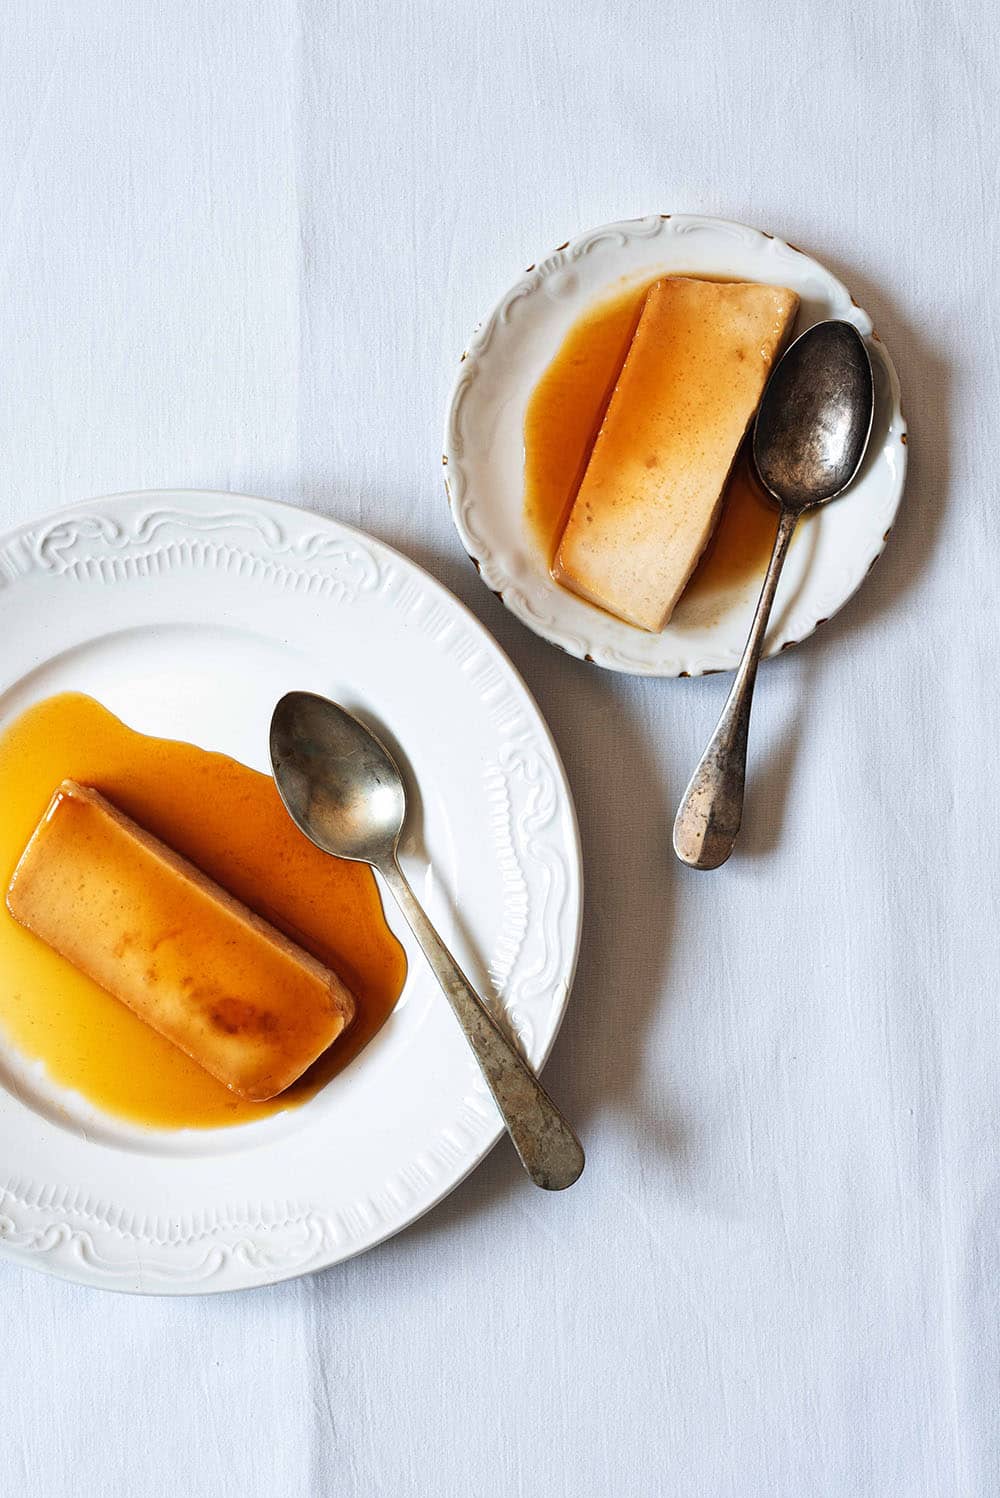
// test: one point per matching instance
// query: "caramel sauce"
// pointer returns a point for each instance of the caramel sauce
(561, 424)
(229, 821)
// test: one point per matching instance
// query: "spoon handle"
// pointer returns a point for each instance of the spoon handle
(711, 810)
(549, 1150)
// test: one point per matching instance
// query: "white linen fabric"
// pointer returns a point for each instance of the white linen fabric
(242, 248)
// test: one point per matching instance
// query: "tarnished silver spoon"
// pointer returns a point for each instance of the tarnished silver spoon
(809, 439)
(343, 789)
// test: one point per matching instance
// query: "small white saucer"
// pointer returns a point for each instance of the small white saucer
(484, 448)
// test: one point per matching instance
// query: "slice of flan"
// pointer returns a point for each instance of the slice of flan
(652, 490)
(211, 976)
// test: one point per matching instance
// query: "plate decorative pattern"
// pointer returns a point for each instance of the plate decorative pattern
(148, 589)
(483, 447)
(97, 548)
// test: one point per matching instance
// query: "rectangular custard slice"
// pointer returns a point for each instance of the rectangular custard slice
(217, 980)
(652, 490)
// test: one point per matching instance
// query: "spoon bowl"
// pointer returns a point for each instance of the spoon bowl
(815, 418)
(338, 781)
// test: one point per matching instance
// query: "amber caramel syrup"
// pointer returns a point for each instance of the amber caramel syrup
(561, 424)
(229, 821)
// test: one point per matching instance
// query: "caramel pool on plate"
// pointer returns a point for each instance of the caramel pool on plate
(229, 822)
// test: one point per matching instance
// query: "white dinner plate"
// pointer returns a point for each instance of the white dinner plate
(188, 615)
(834, 548)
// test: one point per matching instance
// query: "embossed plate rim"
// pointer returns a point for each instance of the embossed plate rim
(60, 1223)
(483, 463)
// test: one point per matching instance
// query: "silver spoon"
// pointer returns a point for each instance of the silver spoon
(809, 438)
(343, 789)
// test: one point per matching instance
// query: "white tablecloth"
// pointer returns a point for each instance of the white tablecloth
(242, 246)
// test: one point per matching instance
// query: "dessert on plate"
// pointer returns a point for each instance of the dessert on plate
(172, 949)
(231, 991)
(652, 490)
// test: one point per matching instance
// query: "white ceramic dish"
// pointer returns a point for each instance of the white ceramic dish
(188, 615)
(484, 448)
